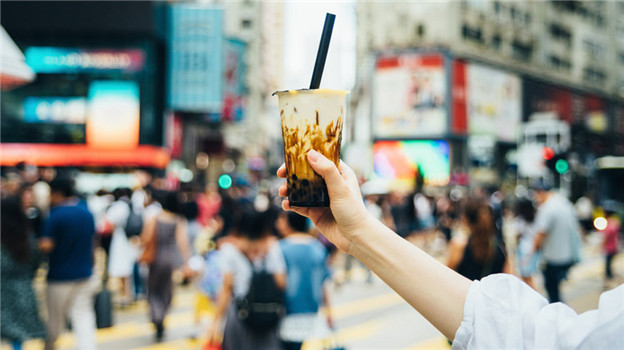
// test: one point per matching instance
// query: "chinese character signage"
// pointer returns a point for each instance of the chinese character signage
(196, 58)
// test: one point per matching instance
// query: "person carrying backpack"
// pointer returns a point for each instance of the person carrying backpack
(254, 279)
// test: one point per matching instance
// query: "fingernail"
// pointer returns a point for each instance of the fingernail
(313, 155)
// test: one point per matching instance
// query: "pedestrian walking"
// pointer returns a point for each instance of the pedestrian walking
(165, 240)
(249, 251)
(307, 289)
(69, 238)
(558, 237)
(481, 252)
(123, 254)
(526, 256)
(19, 260)
(611, 242)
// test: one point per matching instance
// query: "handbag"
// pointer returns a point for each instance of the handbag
(150, 247)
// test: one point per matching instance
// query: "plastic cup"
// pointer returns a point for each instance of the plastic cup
(311, 119)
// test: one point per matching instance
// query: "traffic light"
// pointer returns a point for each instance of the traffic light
(556, 162)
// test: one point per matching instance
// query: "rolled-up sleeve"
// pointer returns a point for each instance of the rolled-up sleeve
(501, 312)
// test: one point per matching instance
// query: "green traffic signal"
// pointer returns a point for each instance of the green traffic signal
(562, 166)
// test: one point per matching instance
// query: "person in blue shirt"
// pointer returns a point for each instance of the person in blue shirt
(68, 239)
(306, 289)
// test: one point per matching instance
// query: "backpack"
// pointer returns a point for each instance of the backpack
(134, 225)
(263, 306)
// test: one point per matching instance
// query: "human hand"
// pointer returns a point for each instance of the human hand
(213, 334)
(342, 221)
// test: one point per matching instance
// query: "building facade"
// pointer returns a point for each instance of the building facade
(574, 42)
(472, 73)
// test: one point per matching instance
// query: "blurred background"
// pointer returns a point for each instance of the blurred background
(447, 99)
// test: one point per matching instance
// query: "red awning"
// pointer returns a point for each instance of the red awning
(82, 155)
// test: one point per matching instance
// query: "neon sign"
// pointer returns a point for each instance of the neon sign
(68, 60)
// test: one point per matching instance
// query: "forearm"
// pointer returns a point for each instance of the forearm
(431, 288)
(223, 302)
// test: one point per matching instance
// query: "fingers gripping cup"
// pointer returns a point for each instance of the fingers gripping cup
(311, 119)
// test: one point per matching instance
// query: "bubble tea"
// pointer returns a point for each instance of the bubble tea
(311, 119)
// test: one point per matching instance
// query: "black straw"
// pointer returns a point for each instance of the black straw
(321, 55)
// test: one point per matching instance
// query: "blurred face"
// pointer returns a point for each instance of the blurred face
(28, 198)
(539, 196)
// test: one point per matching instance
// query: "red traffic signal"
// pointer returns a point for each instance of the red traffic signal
(548, 153)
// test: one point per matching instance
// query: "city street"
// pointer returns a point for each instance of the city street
(368, 315)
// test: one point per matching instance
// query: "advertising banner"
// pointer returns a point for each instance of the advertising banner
(493, 102)
(113, 115)
(235, 87)
(196, 58)
(409, 96)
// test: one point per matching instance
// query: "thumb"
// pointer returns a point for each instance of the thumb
(327, 169)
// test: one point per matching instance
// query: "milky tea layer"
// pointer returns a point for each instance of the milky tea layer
(311, 119)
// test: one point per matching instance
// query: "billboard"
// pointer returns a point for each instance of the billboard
(493, 101)
(195, 58)
(402, 161)
(409, 96)
(235, 87)
(113, 115)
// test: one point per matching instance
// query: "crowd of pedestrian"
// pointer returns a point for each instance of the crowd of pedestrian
(242, 253)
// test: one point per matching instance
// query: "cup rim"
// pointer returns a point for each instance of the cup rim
(311, 91)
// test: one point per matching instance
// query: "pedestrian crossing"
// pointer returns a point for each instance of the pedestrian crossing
(367, 315)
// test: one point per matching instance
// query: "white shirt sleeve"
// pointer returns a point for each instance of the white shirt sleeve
(275, 262)
(501, 312)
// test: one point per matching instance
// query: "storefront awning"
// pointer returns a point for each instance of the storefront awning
(13, 69)
(82, 155)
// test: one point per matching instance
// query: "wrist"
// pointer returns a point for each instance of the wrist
(366, 235)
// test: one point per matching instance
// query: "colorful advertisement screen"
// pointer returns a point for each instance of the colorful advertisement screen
(401, 161)
(113, 115)
(409, 96)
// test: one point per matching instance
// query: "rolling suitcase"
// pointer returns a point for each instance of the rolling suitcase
(104, 309)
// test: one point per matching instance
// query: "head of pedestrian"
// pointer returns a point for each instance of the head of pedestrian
(290, 222)
(252, 231)
(61, 189)
(541, 191)
(171, 202)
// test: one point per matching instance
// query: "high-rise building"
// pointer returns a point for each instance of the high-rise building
(574, 42)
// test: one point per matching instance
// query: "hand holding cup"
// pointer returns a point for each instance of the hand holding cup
(341, 223)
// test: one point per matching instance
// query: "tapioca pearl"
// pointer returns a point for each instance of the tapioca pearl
(305, 182)
(294, 177)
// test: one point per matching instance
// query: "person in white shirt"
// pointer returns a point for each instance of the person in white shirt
(498, 312)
